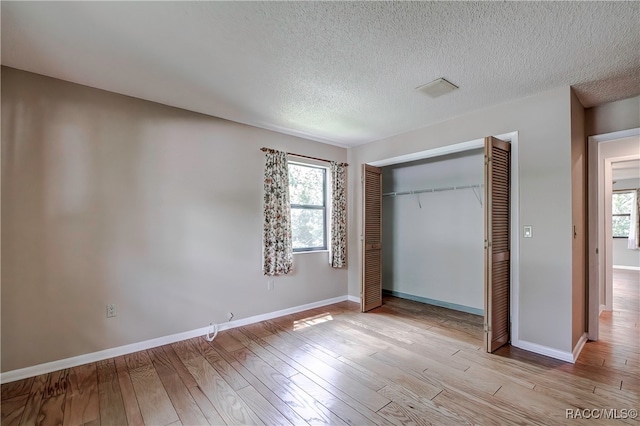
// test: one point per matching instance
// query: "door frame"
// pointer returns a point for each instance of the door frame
(599, 266)
(511, 137)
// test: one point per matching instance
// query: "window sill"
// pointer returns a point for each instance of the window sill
(310, 251)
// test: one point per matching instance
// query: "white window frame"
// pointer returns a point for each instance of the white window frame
(326, 208)
(617, 192)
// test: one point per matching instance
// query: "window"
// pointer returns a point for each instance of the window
(621, 213)
(308, 197)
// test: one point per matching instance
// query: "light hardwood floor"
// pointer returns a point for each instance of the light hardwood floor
(404, 363)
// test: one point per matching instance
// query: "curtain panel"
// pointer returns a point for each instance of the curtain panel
(338, 215)
(277, 245)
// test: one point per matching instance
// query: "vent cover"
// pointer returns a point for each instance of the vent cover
(437, 88)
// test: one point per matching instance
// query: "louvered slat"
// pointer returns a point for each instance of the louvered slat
(373, 277)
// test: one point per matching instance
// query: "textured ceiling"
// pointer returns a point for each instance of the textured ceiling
(336, 72)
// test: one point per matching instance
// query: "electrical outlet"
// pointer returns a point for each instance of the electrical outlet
(270, 285)
(112, 310)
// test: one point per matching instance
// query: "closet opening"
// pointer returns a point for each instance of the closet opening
(438, 230)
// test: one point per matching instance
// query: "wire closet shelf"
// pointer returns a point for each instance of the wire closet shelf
(428, 190)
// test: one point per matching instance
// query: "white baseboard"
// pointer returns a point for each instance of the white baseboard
(351, 298)
(544, 350)
(23, 373)
(627, 268)
(602, 309)
(579, 346)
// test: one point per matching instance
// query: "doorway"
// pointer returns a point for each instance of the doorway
(604, 152)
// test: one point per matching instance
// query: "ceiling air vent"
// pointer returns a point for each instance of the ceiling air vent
(437, 88)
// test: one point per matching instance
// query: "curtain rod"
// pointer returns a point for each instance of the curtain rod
(264, 149)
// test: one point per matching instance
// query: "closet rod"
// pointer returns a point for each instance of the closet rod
(422, 191)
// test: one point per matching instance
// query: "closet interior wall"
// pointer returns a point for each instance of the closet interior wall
(433, 241)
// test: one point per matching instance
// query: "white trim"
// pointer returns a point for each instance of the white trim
(607, 193)
(311, 251)
(443, 150)
(435, 152)
(48, 367)
(515, 234)
(593, 259)
(627, 268)
(601, 310)
(544, 350)
(579, 346)
(351, 298)
(623, 134)
(571, 357)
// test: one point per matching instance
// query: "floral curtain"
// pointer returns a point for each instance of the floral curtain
(277, 246)
(634, 228)
(338, 215)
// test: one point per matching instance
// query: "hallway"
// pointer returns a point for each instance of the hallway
(618, 347)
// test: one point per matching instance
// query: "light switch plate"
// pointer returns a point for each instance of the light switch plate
(528, 232)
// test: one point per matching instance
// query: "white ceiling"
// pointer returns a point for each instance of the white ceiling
(337, 72)
(626, 170)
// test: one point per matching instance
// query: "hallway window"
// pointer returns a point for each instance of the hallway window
(621, 213)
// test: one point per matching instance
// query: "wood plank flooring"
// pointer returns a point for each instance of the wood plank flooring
(402, 364)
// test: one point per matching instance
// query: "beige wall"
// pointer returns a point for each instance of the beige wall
(579, 219)
(545, 264)
(613, 117)
(111, 199)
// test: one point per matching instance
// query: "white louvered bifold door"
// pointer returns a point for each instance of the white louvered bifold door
(497, 242)
(371, 293)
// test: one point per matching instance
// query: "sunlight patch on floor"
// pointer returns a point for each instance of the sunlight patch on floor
(308, 322)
